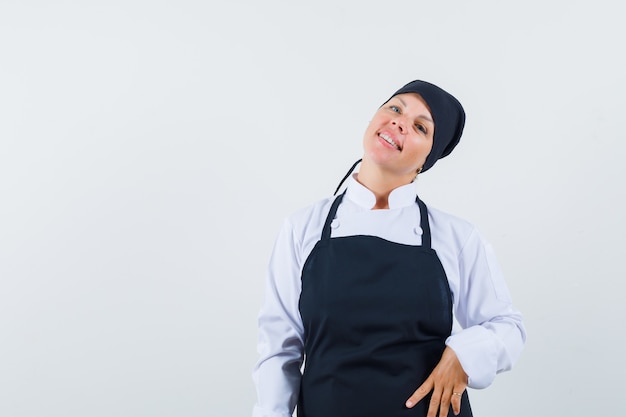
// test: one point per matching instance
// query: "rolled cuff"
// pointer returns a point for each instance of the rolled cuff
(477, 350)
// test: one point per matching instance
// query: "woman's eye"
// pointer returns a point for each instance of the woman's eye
(395, 108)
(421, 129)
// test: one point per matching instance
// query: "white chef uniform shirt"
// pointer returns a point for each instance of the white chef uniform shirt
(488, 335)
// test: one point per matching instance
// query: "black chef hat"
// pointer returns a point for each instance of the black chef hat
(447, 113)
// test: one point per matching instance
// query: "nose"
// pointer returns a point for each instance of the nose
(400, 123)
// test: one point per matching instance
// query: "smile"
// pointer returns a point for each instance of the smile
(389, 140)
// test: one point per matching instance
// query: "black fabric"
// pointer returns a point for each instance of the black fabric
(448, 115)
(376, 315)
(346, 176)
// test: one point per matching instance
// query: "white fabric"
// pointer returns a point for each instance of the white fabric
(488, 336)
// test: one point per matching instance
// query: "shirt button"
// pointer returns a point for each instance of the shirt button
(418, 230)
(334, 224)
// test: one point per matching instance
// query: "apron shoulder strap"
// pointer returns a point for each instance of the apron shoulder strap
(424, 224)
(331, 216)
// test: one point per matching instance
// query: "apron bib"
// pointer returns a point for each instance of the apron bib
(376, 316)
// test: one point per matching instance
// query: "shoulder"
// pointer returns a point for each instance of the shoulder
(447, 222)
(451, 232)
(313, 211)
(309, 220)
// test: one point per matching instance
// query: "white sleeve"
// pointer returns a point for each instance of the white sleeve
(493, 334)
(280, 334)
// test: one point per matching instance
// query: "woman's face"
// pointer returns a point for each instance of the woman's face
(400, 135)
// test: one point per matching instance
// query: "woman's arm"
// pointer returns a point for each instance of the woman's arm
(493, 335)
(280, 335)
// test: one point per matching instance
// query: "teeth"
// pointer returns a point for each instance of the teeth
(389, 140)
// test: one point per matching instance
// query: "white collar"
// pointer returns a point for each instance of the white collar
(402, 196)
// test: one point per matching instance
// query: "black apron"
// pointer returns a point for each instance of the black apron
(376, 315)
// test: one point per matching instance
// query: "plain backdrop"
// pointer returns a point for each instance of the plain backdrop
(150, 150)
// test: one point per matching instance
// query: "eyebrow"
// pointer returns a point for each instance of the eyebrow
(428, 119)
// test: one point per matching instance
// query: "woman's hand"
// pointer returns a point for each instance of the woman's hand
(447, 381)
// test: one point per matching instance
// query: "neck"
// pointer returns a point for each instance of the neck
(380, 182)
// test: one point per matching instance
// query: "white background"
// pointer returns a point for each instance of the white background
(150, 150)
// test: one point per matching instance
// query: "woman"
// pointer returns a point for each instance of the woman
(366, 287)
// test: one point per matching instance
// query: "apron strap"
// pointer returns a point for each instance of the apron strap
(424, 224)
(331, 216)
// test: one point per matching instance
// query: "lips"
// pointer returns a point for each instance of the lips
(389, 140)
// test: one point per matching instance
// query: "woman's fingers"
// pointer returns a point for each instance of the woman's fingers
(447, 383)
(436, 404)
(440, 403)
(420, 393)
(455, 400)
(440, 400)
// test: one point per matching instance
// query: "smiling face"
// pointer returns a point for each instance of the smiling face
(400, 136)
